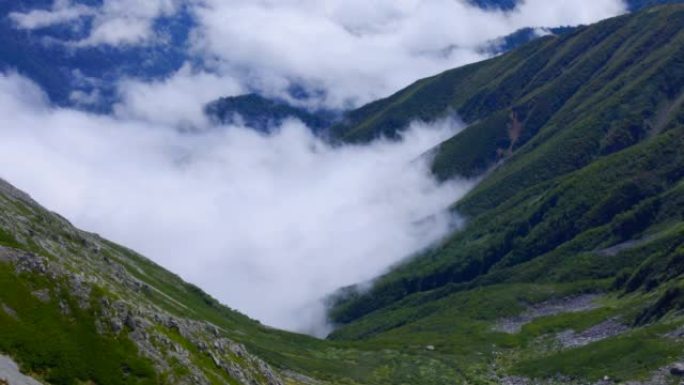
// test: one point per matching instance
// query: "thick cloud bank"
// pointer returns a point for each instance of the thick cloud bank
(355, 51)
(340, 53)
(268, 224)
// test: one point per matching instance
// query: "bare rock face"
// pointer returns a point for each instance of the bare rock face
(24, 262)
(80, 289)
(11, 375)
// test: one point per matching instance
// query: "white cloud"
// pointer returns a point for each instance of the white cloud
(62, 12)
(268, 224)
(357, 51)
(179, 99)
(128, 21)
(115, 22)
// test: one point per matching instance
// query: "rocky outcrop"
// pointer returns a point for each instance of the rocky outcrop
(166, 339)
(11, 375)
(98, 277)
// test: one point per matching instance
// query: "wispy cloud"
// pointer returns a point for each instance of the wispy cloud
(114, 22)
(60, 13)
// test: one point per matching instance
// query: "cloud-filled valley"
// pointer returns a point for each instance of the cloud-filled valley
(268, 224)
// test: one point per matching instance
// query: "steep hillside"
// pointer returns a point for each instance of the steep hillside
(76, 308)
(578, 143)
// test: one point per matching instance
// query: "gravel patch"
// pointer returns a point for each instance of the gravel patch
(659, 377)
(548, 308)
(559, 380)
(620, 247)
(8, 310)
(606, 329)
(515, 381)
(676, 334)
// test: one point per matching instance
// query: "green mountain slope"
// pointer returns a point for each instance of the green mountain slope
(560, 106)
(578, 143)
(615, 69)
(568, 270)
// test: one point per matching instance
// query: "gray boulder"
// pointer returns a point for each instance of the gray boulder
(677, 369)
